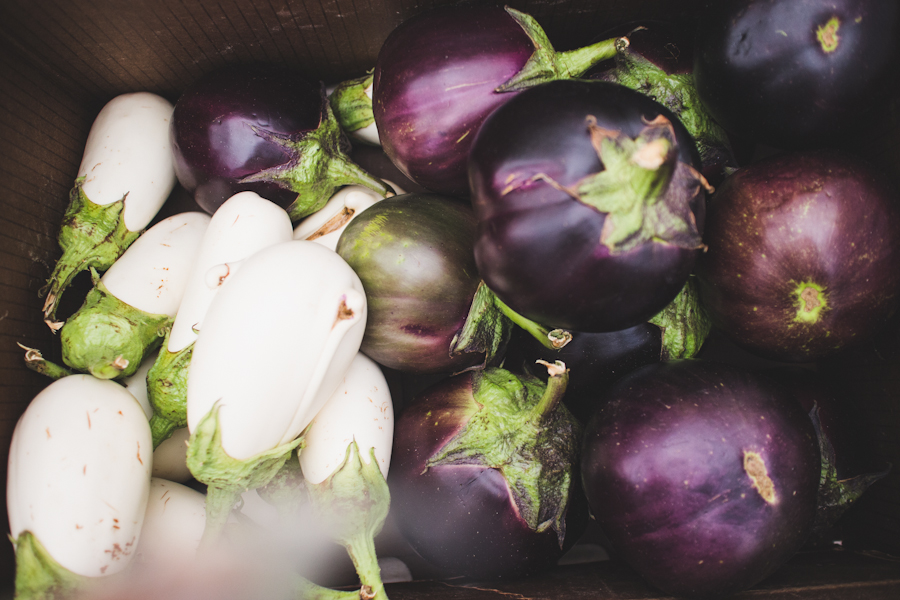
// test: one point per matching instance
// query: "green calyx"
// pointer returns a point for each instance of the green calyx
(36, 362)
(353, 502)
(489, 324)
(836, 495)
(546, 64)
(318, 165)
(226, 477)
(684, 323)
(522, 430)
(675, 91)
(827, 35)
(351, 105)
(643, 190)
(38, 575)
(167, 390)
(109, 338)
(810, 300)
(91, 236)
(286, 490)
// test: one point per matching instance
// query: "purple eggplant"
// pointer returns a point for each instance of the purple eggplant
(703, 476)
(804, 255)
(439, 74)
(796, 73)
(265, 129)
(590, 205)
(484, 479)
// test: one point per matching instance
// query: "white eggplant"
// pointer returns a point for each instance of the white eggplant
(126, 174)
(275, 344)
(360, 409)
(169, 457)
(129, 310)
(326, 225)
(78, 479)
(243, 225)
(173, 524)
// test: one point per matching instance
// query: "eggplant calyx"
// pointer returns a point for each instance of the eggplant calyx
(167, 390)
(36, 362)
(226, 477)
(353, 502)
(317, 165)
(546, 64)
(351, 103)
(38, 575)
(684, 323)
(522, 430)
(91, 236)
(109, 338)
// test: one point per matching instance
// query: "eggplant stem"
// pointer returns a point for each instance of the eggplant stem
(575, 62)
(307, 590)
(35, 361)
(556, 389)
(553, 339)
(220, 501)
(361, 549)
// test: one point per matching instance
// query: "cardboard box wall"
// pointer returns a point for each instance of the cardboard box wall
(61, 61)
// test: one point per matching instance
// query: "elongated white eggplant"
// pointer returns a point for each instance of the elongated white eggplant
(128, 312)
(345, 460)
(242, 226)
(78, 482)
(126, 174)
(274, 345)
(326, 225)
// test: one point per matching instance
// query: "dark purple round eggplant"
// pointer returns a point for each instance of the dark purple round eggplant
(457, 495)
(702, 476)
(439, 74)
(796, 73)
(265, 129)
(413, 254)
(571, 240)
(804, 255)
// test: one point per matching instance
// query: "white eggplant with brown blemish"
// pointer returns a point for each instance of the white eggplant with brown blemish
(326, 225)
(78, 484)
(126, 174)
(128, 312)
(274, 345)
(345, 459)
(242, 226)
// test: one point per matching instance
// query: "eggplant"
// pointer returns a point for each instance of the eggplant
(438, 76)
(264, 129)
(703, 476)
(484, 475)
(804, 255)
(575, 229)
(795, 74)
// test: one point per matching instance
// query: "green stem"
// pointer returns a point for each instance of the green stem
(554, 339)
(554, 392)
(578, 61)
(362, 552)
(220, 501)
(307, 590)
(35, 361)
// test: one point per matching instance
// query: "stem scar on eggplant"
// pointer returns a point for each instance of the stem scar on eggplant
(333, 224)
(810, 301)
(755, 467)
(827, 35)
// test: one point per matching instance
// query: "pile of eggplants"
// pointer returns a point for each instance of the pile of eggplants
(583, 234)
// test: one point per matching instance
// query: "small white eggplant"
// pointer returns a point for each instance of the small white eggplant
(326, 225)
(78, 482)
(345, 459)
(129, 310)
(351, 102)
(173, 525)
(126, 174)
(275, 344)
(242, 226)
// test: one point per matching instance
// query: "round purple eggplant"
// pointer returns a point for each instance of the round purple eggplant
(439, 75)
(265, 129)
(413, 254)
(804, 255)
(796, 73)
(590, 205)
(465, 457)
(702, 476)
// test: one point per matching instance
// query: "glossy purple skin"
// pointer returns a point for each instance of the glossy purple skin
(663, 470)
(813, 216)
(461, 519)
(762, 73)
(213, 143)
(538, 248)
(434, 85)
